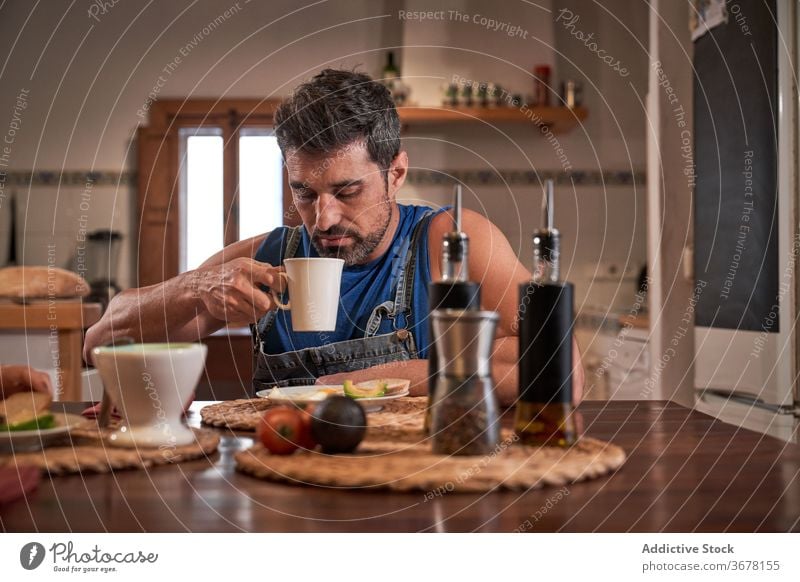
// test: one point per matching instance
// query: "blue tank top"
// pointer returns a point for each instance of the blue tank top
(363, 288)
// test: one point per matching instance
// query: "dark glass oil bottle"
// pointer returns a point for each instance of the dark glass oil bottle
(544, 414)
(544, 411)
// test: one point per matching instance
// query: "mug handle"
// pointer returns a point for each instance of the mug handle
(282, 306)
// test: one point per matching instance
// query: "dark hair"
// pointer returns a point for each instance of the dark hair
(336, 108)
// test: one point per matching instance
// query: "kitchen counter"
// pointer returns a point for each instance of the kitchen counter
(686, 471)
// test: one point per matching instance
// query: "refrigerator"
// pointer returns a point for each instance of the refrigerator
(746, 235)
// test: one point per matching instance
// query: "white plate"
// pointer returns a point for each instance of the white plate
(317, 393)
(33, 440)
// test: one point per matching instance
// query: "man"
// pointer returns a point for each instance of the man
(340, 138)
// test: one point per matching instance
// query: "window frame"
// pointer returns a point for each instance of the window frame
(159, 180)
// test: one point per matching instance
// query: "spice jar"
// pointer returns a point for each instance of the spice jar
(570, 94)
(541, 85)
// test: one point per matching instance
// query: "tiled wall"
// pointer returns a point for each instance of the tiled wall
(52, 224)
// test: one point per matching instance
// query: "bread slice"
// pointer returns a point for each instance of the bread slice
(393, 385)
(23, 407)
(41, 282)
(396, 385)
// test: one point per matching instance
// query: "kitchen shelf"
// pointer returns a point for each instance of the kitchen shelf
(558, 119)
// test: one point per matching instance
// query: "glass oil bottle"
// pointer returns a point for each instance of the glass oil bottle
(544, 411)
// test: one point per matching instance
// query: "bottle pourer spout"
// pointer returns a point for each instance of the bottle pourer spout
(548, 209)
(546, 241)
(457, 208)
(455, 245)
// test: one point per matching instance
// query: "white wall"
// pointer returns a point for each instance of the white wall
(87, 79)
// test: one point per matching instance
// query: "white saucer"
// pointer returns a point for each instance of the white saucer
(151, 436)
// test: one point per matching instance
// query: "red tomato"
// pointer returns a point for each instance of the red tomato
(305, 440)
(280, 430)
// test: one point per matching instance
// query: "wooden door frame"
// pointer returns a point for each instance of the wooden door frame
(158, 162)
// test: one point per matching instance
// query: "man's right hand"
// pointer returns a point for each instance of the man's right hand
(231, 293)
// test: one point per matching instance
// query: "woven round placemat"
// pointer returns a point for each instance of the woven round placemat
(395, 418)
(397, 455)
(242, 414)
(83, 450)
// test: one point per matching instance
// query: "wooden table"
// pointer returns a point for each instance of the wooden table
(66, 319)
(686, 472)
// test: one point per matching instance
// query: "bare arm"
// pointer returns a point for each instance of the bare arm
(192, 305)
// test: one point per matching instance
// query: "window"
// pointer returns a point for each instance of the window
(259, 200)
(201, 205)
(260, 183)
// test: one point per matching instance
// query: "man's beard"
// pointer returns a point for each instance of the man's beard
(356, 252)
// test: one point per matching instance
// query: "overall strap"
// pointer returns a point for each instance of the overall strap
(292, 238)
(403, 296)
(405, 285)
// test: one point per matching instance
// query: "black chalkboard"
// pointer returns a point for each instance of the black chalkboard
(736, 156)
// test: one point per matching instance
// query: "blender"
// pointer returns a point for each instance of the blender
(102, 258)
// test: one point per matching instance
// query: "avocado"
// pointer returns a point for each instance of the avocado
(40, 423)
(372, 389)
(339, 424)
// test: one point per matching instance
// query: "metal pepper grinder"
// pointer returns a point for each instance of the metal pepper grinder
(453, 291)
(464, 410)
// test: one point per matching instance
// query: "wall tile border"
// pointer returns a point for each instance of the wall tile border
(55, 178)
(525, 177)
(417, 177)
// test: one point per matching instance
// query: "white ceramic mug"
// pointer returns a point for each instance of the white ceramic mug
(314, 285)
(150, 385)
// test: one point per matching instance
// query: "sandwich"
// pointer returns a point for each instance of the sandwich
(26, 411)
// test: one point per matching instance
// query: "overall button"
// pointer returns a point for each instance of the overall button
(402, 334)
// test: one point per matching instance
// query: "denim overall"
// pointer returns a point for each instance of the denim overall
(304, 366)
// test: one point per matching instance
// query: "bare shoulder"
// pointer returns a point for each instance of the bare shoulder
(487, 241)
(492, 262)
(243, 249)
(474, 224)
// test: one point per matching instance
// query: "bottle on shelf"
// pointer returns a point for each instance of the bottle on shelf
(544, 411)
(453, 291)
(541, 85)
(390, 77)
(390, 70)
